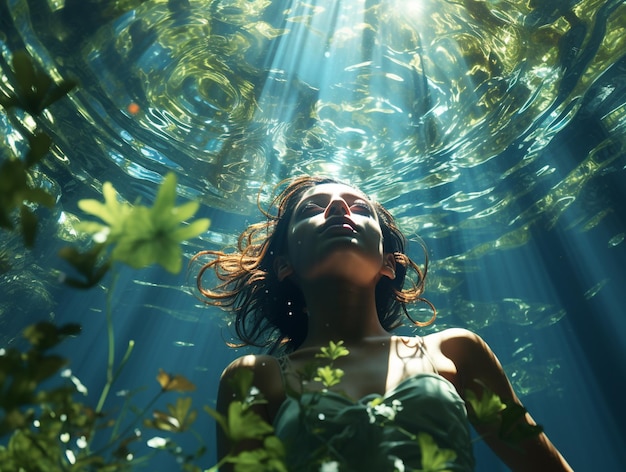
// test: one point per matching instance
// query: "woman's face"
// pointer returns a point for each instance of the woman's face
(334, 230)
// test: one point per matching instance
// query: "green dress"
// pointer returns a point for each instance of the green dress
(420, 424)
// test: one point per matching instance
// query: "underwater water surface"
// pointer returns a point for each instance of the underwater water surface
(493, 130)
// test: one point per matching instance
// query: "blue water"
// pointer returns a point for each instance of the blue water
(495, 131)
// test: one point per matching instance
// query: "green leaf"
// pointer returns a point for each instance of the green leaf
(112, 212)
(250, 461)
(182, 411)
(44, 335)
(35, 89)
(185, 211)
(178, 419)
(333, 352)
(510, 415)
(170, 257)
(58, 91)
(166, 196)
(191, 230)
(434, 459)
(274, 446)
(28, 222)
(86, 264)
(241, 383)
(38, 195)
(269, 458)
(514, 427)
(15, 192)
(39, 146)
(244, 423)
(217, 416)
(487, 409)
(174, 383)
(328, 376)
(142, 236)
(47, 367)
(25, 71)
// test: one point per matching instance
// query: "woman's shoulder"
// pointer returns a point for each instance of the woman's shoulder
(266, 374)
(261, 365)
(250, 362)
(470, 354)
(455, 337)
(460, 345)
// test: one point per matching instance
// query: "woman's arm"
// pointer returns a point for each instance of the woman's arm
(266, 378)
(476, 361)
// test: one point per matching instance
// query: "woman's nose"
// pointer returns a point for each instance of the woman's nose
(337, 206)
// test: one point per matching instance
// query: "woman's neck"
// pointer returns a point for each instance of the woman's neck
(339, 310)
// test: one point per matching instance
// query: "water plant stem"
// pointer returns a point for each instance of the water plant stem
(111, 343)
(115, 436)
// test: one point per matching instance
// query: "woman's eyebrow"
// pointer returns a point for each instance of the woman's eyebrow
(349, 196)
(307, 200)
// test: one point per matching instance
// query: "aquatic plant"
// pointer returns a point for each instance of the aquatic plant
(135, 235)
(49, 428)
(489, 409)
(241, 423)
(31, 91)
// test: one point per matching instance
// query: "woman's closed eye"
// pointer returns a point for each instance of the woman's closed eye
(310, 208)
(360, 206)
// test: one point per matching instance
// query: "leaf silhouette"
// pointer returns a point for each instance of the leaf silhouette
(176, 383)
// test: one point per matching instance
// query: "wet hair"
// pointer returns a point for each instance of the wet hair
(270, 313)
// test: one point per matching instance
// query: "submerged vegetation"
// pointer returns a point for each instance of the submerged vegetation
(33, 91)
(135, 235)
(48, 427)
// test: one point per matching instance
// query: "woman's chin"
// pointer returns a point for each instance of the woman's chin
(346, 264)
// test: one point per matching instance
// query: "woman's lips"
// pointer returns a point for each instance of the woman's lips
(339, 225)
(345, 228)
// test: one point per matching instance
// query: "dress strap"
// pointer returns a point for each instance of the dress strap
(284, 363)
(424, 351)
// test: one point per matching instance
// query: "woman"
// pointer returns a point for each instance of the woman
(329, 267)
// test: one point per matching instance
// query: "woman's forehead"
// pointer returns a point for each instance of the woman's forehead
(333, 189)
